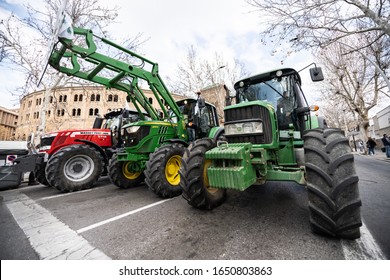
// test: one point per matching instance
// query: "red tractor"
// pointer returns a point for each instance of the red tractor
(72, 160)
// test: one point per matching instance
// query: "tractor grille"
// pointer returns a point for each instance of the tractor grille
(251, 112)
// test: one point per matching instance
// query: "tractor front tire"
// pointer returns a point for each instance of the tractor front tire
(195, 183)
(162, 170)
(121, 174)
(74, 168)
(332, 184)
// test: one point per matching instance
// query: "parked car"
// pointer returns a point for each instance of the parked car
(9, 152)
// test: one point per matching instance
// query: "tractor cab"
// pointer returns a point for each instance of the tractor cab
(115, 120)
(281, 89)
(199, 117)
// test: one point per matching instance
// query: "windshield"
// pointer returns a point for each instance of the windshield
(110, 123)
(271, 91)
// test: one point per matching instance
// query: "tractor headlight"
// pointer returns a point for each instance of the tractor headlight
(132, 129)
(244, 128)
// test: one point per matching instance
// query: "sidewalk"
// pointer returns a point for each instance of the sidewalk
(379, 155)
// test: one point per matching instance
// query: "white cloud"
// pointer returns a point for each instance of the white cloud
(226, 27)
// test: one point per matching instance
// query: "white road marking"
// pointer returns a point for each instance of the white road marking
(66, 194)
(53, 239)
(49, 237)
(84, 229)
(364, 248)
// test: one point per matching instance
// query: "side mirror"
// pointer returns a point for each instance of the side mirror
(228, 101)
(228, 97)
(316, 74)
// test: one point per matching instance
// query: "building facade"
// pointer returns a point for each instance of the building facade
(8, 124)
(382, 122)
(216, 95)
(69, 108)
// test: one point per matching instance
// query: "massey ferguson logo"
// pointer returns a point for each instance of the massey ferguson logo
(101, 133)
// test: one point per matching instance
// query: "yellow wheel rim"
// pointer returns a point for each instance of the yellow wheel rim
(206, 183)
(172, 170)
(126, 170)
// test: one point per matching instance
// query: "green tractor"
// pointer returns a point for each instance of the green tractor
(270, 135)
(151, 148)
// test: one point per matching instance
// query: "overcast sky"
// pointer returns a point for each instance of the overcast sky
(228, 27)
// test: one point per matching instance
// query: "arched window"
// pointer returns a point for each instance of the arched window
(62, 112)
(115, 98)
(51, 99)
(65, 97)
(60, 100)
(48, 113)
(91, 112)
(73, 112)
(80, 97)
(97, 97)
(78, 112)
(109, 98)
(75, 97)
(93, 97)
(96, 111)
(58, 112)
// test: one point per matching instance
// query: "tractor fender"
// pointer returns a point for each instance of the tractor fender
(216, 132)
(97, 147)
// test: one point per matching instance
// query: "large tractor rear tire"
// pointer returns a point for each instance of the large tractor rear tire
(195, 183)
(74, 168)
(40, 174)
(162, 170)
(332, 184)
(123, 175)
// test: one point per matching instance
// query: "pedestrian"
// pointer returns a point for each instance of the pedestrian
(371, 146)
(361, 146)
(386, 144)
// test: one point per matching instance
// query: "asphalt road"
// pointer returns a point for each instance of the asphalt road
(263, 222)
(374, 187)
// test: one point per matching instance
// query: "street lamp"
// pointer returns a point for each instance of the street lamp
(210, 76)
(218, 102)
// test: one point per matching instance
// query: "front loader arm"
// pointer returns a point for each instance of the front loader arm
(123, 76)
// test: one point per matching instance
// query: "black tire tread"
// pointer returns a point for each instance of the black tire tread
(40, 175)
(55, 176)
(155, 170)
(192, 173)
(116, 176)
(332, 184)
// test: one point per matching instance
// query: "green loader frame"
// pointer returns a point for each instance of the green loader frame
(152, 148)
